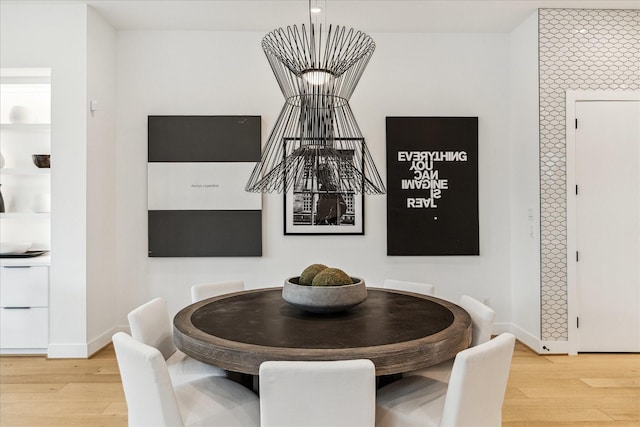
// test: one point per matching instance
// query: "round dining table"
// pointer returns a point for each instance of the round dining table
(398, 331)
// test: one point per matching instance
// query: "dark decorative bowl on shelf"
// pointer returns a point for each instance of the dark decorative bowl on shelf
(324, 299)
(41, 160)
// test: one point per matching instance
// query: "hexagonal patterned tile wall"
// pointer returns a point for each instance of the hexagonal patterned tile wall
(586, 50)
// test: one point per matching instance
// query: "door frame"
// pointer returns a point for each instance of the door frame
(573, 96)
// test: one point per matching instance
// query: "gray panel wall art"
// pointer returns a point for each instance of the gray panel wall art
(197, 170)
(578, 50)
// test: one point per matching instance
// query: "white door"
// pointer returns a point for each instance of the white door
(607, 169)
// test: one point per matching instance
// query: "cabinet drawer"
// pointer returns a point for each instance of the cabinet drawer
(24, 286)
(24, 328)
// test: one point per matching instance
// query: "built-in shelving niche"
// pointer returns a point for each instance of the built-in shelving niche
(25, 129)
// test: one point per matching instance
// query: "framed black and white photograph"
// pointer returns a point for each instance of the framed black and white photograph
(432, 186)
(313, 206)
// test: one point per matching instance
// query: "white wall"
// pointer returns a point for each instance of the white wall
(525, 184)
(212, 73)
(101, 182)
(50, 35)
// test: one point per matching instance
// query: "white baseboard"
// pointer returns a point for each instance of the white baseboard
(23, 351)
(499, 328)
(531, 341)
(123, 328)
(100, 341)
(554, 347)
(83, 351)
(526, 338)
(67, 351)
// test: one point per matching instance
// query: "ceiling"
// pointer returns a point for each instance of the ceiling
(459, 16)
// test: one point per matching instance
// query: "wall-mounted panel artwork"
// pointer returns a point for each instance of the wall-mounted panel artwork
(432, 186)
(197, 170)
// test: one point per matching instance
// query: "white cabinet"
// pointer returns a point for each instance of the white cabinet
(24, 308)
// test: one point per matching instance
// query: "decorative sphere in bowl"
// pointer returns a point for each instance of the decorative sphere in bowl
(324, 299)
(41, 160)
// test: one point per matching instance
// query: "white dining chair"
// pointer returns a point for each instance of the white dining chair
(317, 393)
(482, 317)
(416, 287)
(153, 400)
(472, 398)
(150, 324)
(209, 290)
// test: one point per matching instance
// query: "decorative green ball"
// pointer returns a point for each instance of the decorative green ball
(306, 278)
(332, 277)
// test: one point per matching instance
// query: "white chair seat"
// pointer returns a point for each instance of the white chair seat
(183, 368)
(440, 372)
(412, 401)
(217, 401)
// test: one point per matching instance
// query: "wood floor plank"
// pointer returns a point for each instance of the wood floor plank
(72, 392)
(547, 423)
(29, 388)
(116, 408)
(582, 392)
(54, 408)
(554, 416)
(12, 420)
(526, 403)
(624, 382)
(628, 414)
(58, 378)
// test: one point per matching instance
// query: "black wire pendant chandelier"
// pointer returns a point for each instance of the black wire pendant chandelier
(316, 144)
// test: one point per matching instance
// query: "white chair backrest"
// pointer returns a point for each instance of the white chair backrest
(317, 393)
(482, 318)
(208, 290)
(478, 383)
(150, 397)
(403, 285)
(150, 324)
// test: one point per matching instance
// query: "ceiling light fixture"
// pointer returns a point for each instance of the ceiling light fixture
(316, 145)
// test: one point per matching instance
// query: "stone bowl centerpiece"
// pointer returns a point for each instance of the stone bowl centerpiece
(321, 289)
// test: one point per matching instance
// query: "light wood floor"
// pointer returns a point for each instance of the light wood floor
(556, 391)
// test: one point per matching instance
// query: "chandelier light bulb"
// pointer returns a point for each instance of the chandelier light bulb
(317, 77)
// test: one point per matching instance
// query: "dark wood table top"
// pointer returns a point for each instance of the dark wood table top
(399, 331)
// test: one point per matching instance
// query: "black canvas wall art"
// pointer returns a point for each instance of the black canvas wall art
(432, 186)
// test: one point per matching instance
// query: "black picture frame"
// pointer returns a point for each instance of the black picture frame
(303, 207)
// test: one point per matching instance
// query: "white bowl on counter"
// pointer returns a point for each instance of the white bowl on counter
(14, 248)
